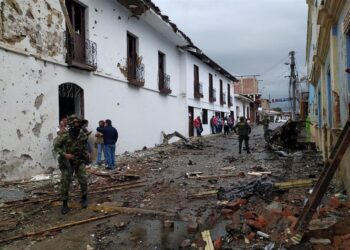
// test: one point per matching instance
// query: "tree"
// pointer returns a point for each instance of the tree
(278, 109)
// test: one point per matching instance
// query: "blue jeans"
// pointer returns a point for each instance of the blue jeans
(110, 155)
(100, 149)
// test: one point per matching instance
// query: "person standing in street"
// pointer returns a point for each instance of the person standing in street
(265, 123)
(243, 130)
(99, 143)
(110, 138)
(212, 126)
(71, 147)
(198, 125)
(226, 126)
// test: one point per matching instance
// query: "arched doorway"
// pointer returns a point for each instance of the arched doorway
(71, 100)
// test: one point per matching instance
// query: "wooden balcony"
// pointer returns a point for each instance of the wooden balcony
(198, 90)
(81, 53)
(164, 83)
(223, 98)
(230, 101)
(136, 74)
(212, 95)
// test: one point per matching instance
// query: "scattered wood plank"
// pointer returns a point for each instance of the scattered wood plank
(294, 184)
(259, 173)
(113, 175)
(112, 207)
(202, 194)
(207, 238)
(203, 177)
(56, 228)
(53, 198)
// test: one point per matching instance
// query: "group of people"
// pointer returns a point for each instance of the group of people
(242, 128)
(217, 124)
(74, 152)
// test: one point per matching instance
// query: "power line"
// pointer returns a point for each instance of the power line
(274, 65)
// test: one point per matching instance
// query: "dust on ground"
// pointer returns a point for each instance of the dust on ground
(173, 209)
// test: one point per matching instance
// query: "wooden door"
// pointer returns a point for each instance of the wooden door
(190, 121)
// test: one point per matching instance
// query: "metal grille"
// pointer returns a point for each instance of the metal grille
(81, 51)
(140, 72)
(164, 80)
(70, 90)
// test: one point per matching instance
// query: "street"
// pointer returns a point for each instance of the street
(166, 189)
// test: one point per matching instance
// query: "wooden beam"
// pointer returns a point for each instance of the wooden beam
(70, 224)
(66, 16)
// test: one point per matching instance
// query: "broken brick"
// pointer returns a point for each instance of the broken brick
(192, 227)
(227, 213)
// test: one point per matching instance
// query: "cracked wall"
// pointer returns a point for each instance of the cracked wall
(33, 26)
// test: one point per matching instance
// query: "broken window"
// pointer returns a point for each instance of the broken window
(132, 56)
(81, 52)
(71, 100)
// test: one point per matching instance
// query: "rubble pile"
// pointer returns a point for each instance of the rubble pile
(185, 195)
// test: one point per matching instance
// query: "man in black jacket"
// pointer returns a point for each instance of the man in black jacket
(110, 137)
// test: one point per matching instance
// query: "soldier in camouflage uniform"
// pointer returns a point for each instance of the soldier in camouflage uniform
(73, 155)
(265, 123)
(243, 130)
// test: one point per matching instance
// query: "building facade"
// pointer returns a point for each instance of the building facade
(328, 60)
(249, 87)
(115, 59)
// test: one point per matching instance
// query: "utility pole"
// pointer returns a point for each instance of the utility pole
(292, 82)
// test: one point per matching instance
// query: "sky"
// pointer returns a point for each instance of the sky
(246, 37)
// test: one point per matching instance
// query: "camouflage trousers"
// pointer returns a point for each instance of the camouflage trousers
(66, 180)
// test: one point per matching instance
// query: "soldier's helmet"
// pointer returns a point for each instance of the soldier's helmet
(72, 119)
(241, 118)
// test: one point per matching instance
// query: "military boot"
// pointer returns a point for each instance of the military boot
(83, 202)
(65, 209)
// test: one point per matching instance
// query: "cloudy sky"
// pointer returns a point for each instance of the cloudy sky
(246, 37)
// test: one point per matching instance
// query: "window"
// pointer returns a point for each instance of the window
(205, 116)
(197, 93)
(212, 95)
(221, 93)
(81, 52)
(135, 68)
(163, 78)
(229, 95)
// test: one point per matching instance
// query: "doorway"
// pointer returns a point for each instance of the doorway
(190, 121)
(70, 100)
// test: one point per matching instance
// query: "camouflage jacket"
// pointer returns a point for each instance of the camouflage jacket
(265, 122)
(64, 143)
(243, 128)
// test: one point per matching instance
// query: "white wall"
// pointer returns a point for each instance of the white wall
(241, 106)
(203, 103)
(29, 91)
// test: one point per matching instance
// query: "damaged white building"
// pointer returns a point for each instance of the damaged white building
(112, 59)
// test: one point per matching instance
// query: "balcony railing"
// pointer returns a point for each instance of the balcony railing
(81, 53)
(201, 89)
(198, 90)
(230, 101)
(136, 73)
(223, 98)
(212, 97)
(164, 83)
